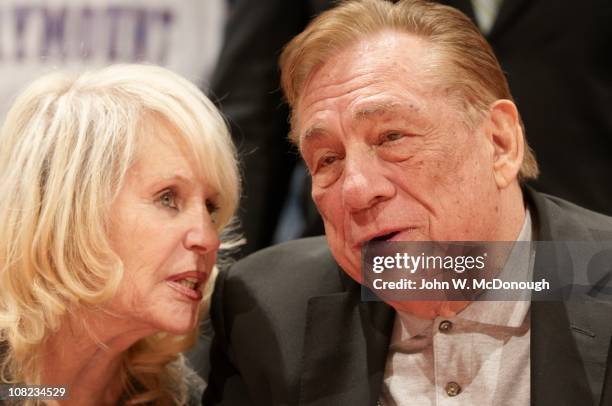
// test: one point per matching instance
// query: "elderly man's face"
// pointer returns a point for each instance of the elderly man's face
(390, 152)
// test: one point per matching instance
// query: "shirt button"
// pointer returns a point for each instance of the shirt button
(445, 326)
(452, 389)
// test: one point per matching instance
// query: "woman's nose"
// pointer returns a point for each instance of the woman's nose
(201, 234)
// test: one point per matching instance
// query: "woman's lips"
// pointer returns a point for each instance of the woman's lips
(191, 293)
(188, 283)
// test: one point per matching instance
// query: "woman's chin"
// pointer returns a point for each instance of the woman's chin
(179, 325)
(174, 329)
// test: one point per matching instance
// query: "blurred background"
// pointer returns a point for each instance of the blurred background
(556, 54)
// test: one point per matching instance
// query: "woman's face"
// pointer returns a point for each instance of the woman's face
(162, 228)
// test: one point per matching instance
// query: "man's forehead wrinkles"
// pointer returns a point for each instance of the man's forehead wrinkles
(333, 92)
(357, 88)
(334, 83)
(321, 101)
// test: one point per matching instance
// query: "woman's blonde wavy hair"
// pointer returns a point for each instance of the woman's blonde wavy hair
(65, 148)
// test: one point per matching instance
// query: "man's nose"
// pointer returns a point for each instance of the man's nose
(201, 234)
(364, 184)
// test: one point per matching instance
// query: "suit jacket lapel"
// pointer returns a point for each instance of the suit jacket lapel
(558, 376)
(569, 339)
(345, 350)
(569, 348)
(606, 397)
(377, 320)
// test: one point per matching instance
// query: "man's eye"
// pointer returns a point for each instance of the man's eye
(390, 137)
(168, 199)
(328, 160)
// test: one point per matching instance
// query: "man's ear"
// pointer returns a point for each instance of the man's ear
(507, 140)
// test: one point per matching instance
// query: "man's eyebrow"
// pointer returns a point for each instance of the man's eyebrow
(376, 109)
(312, 132)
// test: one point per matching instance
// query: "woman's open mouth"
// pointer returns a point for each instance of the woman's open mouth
(188, 283)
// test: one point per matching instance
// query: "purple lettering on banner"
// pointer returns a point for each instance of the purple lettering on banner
(54, 32)
(85, 32)
(114, 14)
(140, 35)
(21, 15)
(167, 19)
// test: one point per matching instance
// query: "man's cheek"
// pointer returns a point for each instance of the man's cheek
(329, 206)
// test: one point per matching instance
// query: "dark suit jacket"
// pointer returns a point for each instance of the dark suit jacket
(291, 328)
(556, 56)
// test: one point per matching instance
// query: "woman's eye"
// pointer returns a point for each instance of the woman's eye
(168, 199)
(213, 209)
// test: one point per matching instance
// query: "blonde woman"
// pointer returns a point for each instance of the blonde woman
(116, 186)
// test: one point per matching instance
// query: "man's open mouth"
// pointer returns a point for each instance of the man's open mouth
(385, 237)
